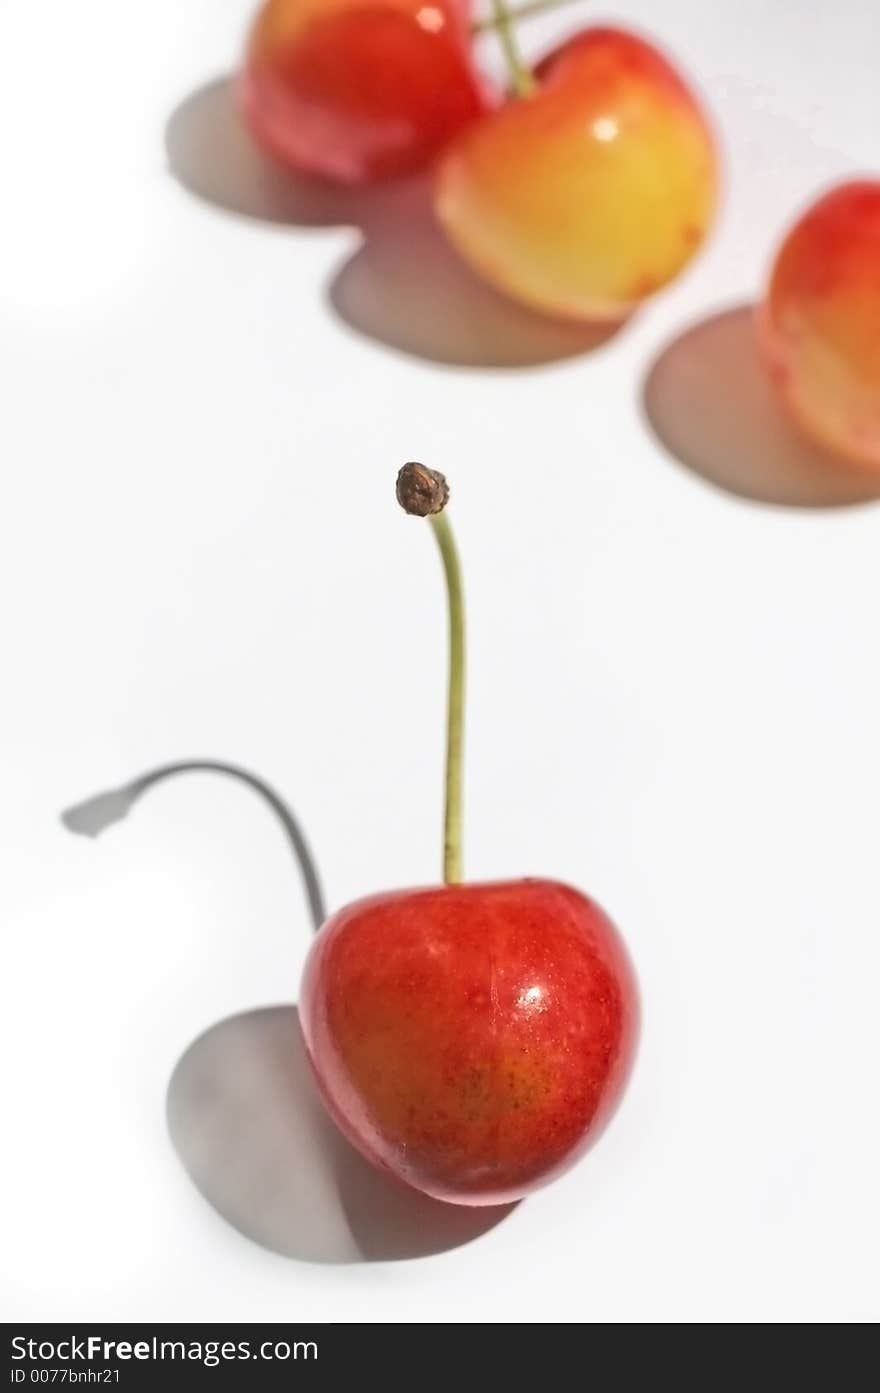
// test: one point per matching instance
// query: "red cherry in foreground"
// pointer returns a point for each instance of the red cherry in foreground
(357, 90)
(820, 322)
(472, 1040)
(589, 190)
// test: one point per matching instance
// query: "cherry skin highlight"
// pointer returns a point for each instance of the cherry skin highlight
(471, 1039)
(820, 322)
(358, 90)
(590, 193)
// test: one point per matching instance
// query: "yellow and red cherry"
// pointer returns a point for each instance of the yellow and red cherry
(592, 189)
(358, 90)
(820, 322)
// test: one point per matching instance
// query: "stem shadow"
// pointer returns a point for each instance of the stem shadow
(245, 1117)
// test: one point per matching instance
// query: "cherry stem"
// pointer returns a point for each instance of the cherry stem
(521, 80)
(91, 817)
(518, 12)
(452, 868)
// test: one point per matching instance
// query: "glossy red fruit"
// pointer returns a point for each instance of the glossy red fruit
(357, 90)
(820, 322)
(471, 1039)
(592, 192)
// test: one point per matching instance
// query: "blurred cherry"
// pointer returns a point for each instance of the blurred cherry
(820, 322)
(358, 90)
(591, 188)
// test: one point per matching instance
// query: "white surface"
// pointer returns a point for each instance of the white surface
(673, 701)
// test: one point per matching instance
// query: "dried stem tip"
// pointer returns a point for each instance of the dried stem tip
(421, 491)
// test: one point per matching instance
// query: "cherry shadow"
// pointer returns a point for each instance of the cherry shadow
(709, 400)
(404, 287)
(211, 154)
(249, 1128)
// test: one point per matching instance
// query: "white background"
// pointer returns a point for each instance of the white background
(673, 695)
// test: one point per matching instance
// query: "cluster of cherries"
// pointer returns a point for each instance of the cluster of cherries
(543, 191)
(580, 192)
(473, 1039)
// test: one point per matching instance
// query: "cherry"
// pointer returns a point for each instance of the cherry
(471, 1039)
(357, 90)
(591, 188)
(820, 321)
